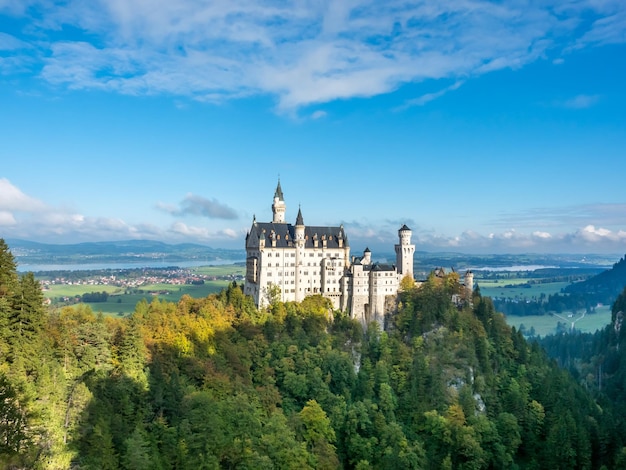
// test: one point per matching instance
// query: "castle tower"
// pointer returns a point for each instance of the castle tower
(367, 257)
(469, 284)
(405, 252)
(279, 207)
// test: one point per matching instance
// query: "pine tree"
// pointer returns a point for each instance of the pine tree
(8, 271)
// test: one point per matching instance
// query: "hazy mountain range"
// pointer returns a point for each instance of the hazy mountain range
(150, 251)
(125, 251)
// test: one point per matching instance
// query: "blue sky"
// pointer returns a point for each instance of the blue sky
(486, 127)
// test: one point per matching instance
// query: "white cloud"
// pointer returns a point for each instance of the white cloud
(589, 239)
(180, 228)
(302, 53)
(12, 199)
(592, 234)
(542, 235)
(6, 219)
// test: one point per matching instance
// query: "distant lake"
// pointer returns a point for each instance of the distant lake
(22, 267)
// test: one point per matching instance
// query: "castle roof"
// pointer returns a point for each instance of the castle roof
(404, 227)
(380, 267)
(279, 192)
(284, 235)
(299, 219)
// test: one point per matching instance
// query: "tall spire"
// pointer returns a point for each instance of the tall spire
(279, 192)
(299, 219)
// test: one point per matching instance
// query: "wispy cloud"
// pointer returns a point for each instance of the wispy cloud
(580, 102)
(300, 53)
(197, 205)
(428, 97)
(318, 114)
(609, 28)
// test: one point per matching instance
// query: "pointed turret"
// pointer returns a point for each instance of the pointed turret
(279, 207)
(279, 192)
(299, 219)
(299, 228)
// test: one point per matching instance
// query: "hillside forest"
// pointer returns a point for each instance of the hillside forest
(213, 382)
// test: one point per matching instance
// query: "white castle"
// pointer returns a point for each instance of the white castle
(290, 262)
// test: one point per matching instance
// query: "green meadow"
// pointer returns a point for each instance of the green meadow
(519, 288)
(122, 301)
(547, 324)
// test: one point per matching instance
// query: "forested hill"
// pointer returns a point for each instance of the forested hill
(598, 360)
(215, 383)
(604, 287)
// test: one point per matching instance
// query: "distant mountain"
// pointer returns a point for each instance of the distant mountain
(124, 251)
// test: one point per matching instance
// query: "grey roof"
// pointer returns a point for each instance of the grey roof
(381, 267)
(284, 234)
(404, 227)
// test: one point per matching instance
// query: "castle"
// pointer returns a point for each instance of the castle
(289, 262)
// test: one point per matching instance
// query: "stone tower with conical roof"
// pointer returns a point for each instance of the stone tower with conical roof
(404, 252)
(279, 207)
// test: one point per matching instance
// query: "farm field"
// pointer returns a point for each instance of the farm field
(546, 324)
(518, 288)
(521, 289)
(122, 301)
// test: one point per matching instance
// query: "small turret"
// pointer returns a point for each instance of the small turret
(367, 257)
(299, 226)
(279, 207)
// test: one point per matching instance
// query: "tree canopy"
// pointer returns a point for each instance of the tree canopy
(215, 383)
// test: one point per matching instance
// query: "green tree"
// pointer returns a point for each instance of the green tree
(319, 435)
(13, 420)
(138, 454)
